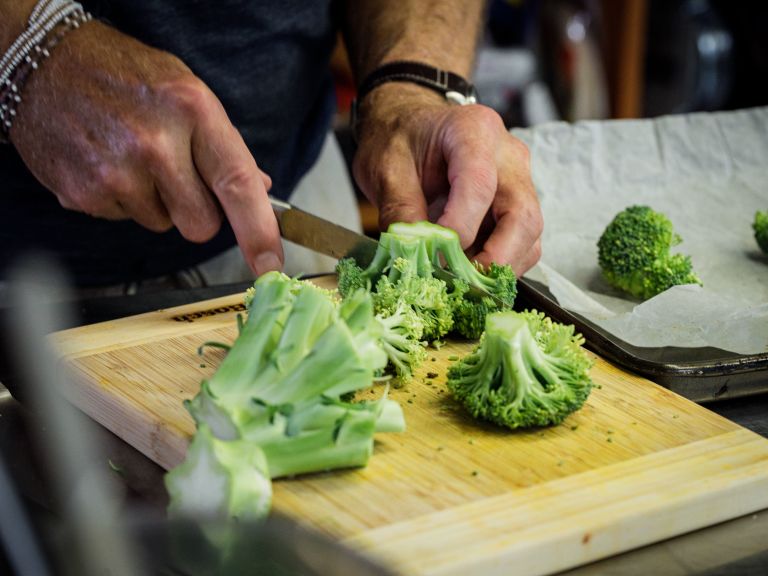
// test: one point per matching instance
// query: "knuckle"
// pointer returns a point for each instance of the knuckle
(236, 183)
(107, 180)
(485, 183)
(156, 151)
(204, 228)
(186, 93)
(520, 149)
(487, 119)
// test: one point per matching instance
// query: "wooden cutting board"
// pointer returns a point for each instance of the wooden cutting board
(636, 465)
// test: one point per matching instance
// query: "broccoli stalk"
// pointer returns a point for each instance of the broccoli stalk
(760, 227)
(526, 371)
(634, 254)
(220, 478)
(278, 392)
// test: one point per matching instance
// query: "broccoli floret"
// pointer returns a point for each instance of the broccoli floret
(760, 226)
(279, 390)
(426, 296)
(401, 339)
(403, 271)
(526, 371)
(470, 315)
(634, 254)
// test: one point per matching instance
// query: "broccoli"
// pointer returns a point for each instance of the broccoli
(526, 371)
(280, 391)
(760, 226)
(401, 340)
(220, 478)
(402, 270)
(499, 280)
(634, 254)
(427, 298)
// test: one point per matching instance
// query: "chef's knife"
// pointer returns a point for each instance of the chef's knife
(325, 237)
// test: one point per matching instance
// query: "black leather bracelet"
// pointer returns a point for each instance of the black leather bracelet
(453, 87)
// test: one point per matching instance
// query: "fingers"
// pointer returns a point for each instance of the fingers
(392, 183)
(192, 208)
(228, 169)
(470, 153)
(516, 237)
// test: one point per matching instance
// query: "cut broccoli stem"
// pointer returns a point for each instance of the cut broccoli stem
(219, 478)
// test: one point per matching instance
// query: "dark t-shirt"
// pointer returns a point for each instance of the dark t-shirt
(266, 60)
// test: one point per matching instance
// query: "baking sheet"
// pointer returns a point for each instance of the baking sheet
(709, 173)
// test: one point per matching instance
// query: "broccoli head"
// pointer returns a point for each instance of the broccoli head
(634, 253)
(526, 371)
(760, 226)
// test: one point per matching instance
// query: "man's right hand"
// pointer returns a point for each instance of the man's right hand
(119, 130)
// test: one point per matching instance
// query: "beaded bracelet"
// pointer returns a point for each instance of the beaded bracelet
(49, 21)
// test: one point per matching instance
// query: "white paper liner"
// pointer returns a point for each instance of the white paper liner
(708, 173)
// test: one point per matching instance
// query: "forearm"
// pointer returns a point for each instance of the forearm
(13, 20)
(442, 33)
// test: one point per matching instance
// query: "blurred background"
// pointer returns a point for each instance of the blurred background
(570, 60)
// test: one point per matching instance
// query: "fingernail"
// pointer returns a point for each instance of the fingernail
(266, 262)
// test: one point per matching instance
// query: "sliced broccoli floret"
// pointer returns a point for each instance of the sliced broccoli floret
(274, 406)
(293, 346)
(760, 226)
(403, 271)
(634, 253)
(443, 244)
(526, 371)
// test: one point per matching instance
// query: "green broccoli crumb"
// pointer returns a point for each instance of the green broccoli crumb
(115, 468)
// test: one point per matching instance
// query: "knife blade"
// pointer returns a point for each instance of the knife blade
(326, 237)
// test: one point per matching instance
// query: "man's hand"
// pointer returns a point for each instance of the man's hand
(119, 130)
(420, 157)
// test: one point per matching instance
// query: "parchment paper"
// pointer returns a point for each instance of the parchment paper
(708, 172)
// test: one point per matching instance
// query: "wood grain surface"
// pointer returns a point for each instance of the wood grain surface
(451, 495)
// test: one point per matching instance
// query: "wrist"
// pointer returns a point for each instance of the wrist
(48, 23)
(14, 20)
(409, 85)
